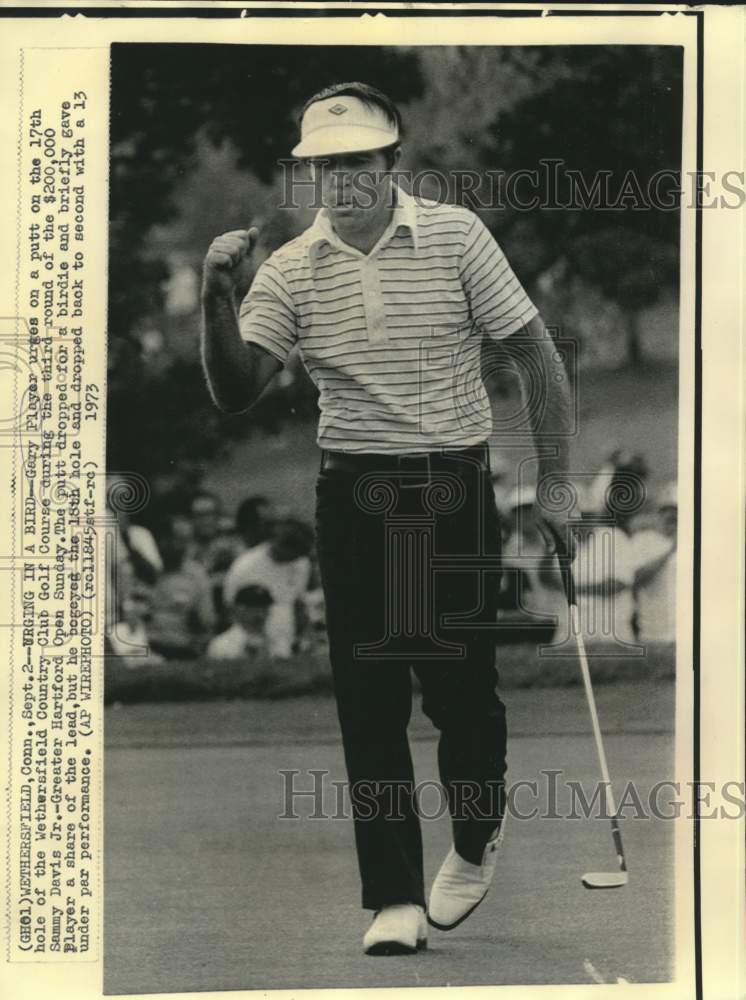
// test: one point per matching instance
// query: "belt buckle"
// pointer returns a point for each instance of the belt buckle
(420, 473)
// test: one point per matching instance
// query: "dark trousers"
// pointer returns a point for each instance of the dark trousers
(399, 553)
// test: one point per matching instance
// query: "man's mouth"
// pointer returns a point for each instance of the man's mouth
(346, 200)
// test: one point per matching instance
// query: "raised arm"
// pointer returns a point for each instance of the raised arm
(237, 370)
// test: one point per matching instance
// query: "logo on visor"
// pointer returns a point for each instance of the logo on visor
(338, 109)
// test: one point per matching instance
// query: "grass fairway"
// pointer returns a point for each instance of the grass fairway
(206, 889)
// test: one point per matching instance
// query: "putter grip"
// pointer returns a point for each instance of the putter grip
(565, 565)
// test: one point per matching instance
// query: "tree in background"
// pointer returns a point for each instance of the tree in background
(164, 100)
(196, 131)
(611, 113)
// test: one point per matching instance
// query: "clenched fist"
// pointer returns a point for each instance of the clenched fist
(223, 262)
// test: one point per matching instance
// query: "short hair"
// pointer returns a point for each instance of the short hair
(247, 512)
(253, 596)
(291, 529)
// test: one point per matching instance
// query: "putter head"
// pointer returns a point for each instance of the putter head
(604, 880)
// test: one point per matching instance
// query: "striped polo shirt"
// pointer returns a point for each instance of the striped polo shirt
(392, 338)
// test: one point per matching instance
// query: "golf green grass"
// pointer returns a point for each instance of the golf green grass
(207, 889)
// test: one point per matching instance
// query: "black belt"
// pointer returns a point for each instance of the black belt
(422, 463)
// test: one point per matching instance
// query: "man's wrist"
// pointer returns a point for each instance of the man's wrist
(215, 292)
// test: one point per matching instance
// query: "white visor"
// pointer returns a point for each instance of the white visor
(343, 125)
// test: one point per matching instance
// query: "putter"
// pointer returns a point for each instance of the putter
(592, 880)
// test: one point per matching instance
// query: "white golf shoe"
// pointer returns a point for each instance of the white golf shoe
(400, 929)
(460, 886)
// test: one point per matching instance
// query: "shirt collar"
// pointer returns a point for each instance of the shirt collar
(404, 217)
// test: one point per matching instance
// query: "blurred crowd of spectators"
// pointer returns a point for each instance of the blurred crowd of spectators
(196, 582)
(624, 569)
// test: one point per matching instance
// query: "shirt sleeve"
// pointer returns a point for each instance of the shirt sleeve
(267, 315)
(499, 305)
(235, 578)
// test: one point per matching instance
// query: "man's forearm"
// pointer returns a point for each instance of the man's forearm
(229, 366)
(551, 421)
(550, 415)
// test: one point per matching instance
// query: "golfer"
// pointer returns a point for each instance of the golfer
(389, 299)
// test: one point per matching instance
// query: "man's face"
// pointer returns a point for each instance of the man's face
(353, 186)
(249, 618)
(205, 518)
(182, 527)
(286, 546)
